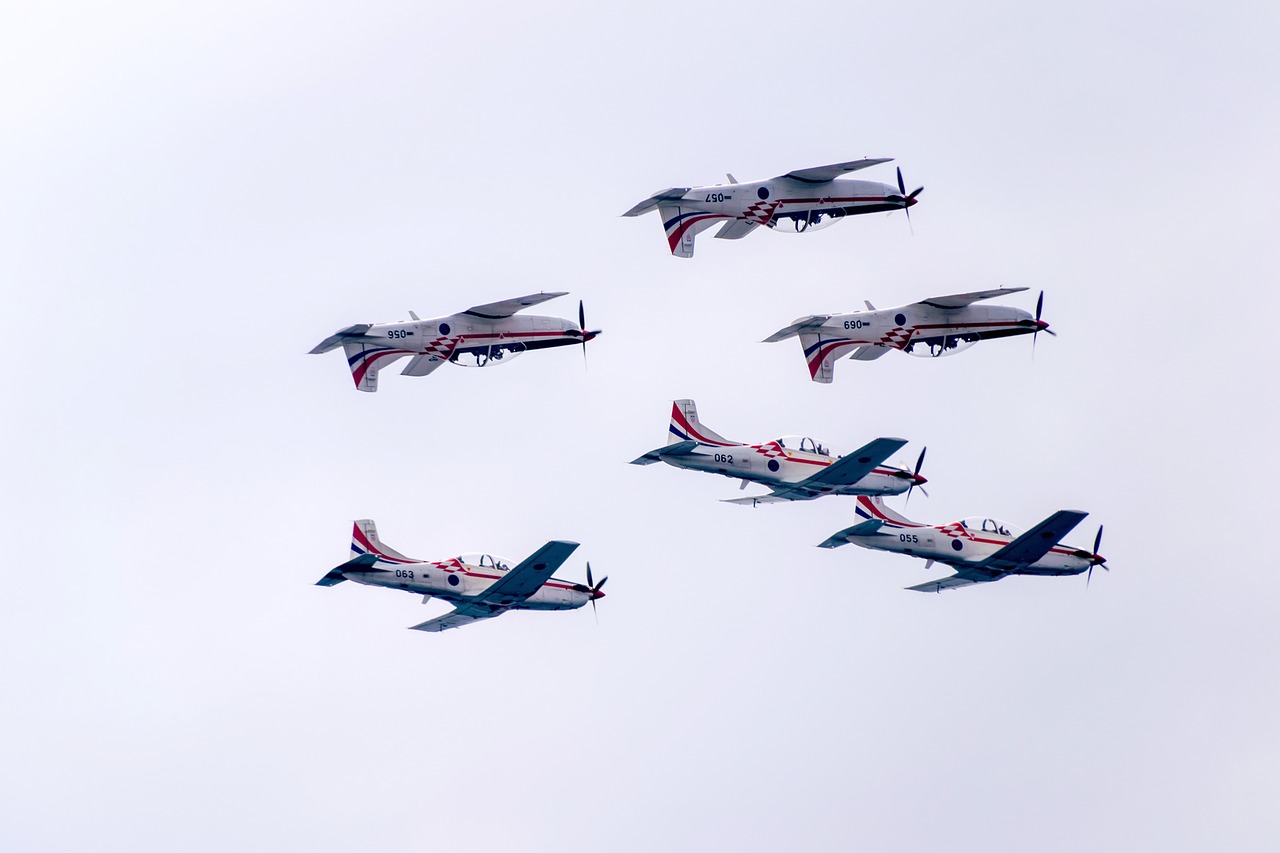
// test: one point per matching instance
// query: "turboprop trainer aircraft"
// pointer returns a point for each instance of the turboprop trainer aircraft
(981, 550)
(479, 586)
(481, 336)
(940, 325)
(795, 203)
(795, 468)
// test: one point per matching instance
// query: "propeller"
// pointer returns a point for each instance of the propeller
(582, 324)
(1096, 560)
(1041, 328)
(916, 479)
(594, 589)
(907, 199)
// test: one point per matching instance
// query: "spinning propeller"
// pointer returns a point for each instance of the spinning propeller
(907, 199)
(916, 479)
(1042, 327)
(1096, 559)
(592, 587)
(581, 331)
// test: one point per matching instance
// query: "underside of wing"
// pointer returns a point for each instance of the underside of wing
(849, 469)
(736, 229)
(962, 578)
(959, 300)
(758, 499)
(821, 174)
(507, 307)
(868, 353)
(528, 577)
(424, 363)
(1036, 542)
(457, 618)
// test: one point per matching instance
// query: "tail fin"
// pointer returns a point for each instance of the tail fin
(685, 426)
(364, 540)
(366, 359)
(682, 225)
(821, 355)
(872, 508)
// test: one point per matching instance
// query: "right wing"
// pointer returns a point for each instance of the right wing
(822, 174)
(757, 500)
(736, 229)
(965, 577)
(507, 307)
(464, 615)
(680, 448)
(959, 300)
(868, 353)
(527, 578)
(1035, 543)
(849, 469)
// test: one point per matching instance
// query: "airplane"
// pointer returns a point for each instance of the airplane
(795, 468)
(479, 586)
(981, 550)
(940, 325)
(481, 336)
(795, 203)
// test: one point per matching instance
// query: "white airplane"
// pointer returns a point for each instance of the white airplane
(940, 325)
(795, 203)
(981, 550)
(795, 468)
(480, 586)
(482, 336)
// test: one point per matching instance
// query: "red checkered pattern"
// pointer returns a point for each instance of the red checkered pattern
(896, 338)
(761, 212)
(441, 347)
(770, 450)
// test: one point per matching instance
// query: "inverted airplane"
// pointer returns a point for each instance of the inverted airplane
(981, 550)
(480, 586)
(795, 468)
(795, 203)
(940, 325)
(482, 336)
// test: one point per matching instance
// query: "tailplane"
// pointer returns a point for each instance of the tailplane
(685, 426)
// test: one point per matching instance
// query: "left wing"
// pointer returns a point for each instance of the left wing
(959, 300)
(736, 229)
(1035, 543)
(822, 174)
(498, 310)
(528, 577)
(966, 577)
(464, 615)
(852, 467)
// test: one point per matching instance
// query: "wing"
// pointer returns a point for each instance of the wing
(870, 353)
(528, 577)
(1035, 543)
(822, 174)
(498, 310)
(959, 300)
(852, 467)
(967, 577)
(736, 229)
(680, 448)
(464, 615)
(810, 322)
(757, 500)
(424, 363)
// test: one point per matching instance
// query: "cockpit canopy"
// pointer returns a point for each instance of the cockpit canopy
(485, 561)
(806, 220)
(805, 445)
(976, 524)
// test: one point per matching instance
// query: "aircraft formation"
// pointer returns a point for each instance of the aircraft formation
(791, 468)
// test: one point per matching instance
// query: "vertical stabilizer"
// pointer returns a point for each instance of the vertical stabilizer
(365, 360)
(683, 224)
(364, 540)
(685, 426)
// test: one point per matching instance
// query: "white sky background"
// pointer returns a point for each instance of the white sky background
(192, 198)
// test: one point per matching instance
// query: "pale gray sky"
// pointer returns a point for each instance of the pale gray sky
(191, 197)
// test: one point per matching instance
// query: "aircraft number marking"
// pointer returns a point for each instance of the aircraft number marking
(856, 324)
(724, 457)
(908, 537)
(404, 573)
(716, 196)
(398, 333)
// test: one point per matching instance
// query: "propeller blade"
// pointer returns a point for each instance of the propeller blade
(920, 461)
(1088, 577)
(915, 192)
(1097, 540)
(582, 324)
(902, 188)
(602, 582)
(589, 583)
(1039, 305)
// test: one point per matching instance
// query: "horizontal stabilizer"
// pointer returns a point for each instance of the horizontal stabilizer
(335, 340)
(866, 528)
(338, 575)
(810, 322)
(680, 448)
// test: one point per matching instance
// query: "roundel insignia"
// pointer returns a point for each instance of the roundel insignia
(773, 465)
(956, 544)
(900, 319)
(444, 328)
(453, 580)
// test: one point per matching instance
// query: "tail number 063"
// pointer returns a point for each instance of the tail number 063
(404, 573)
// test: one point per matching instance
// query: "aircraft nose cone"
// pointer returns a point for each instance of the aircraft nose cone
(912, 201)
(1041, 325)
(595, 593)
(919, 480)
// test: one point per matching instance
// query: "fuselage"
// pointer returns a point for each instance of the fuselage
(466, 333)
(788, 204)
(964, 542)
(786, 461)
(461, 578)
(933, 331)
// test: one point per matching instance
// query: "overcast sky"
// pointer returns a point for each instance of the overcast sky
(193, 195)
